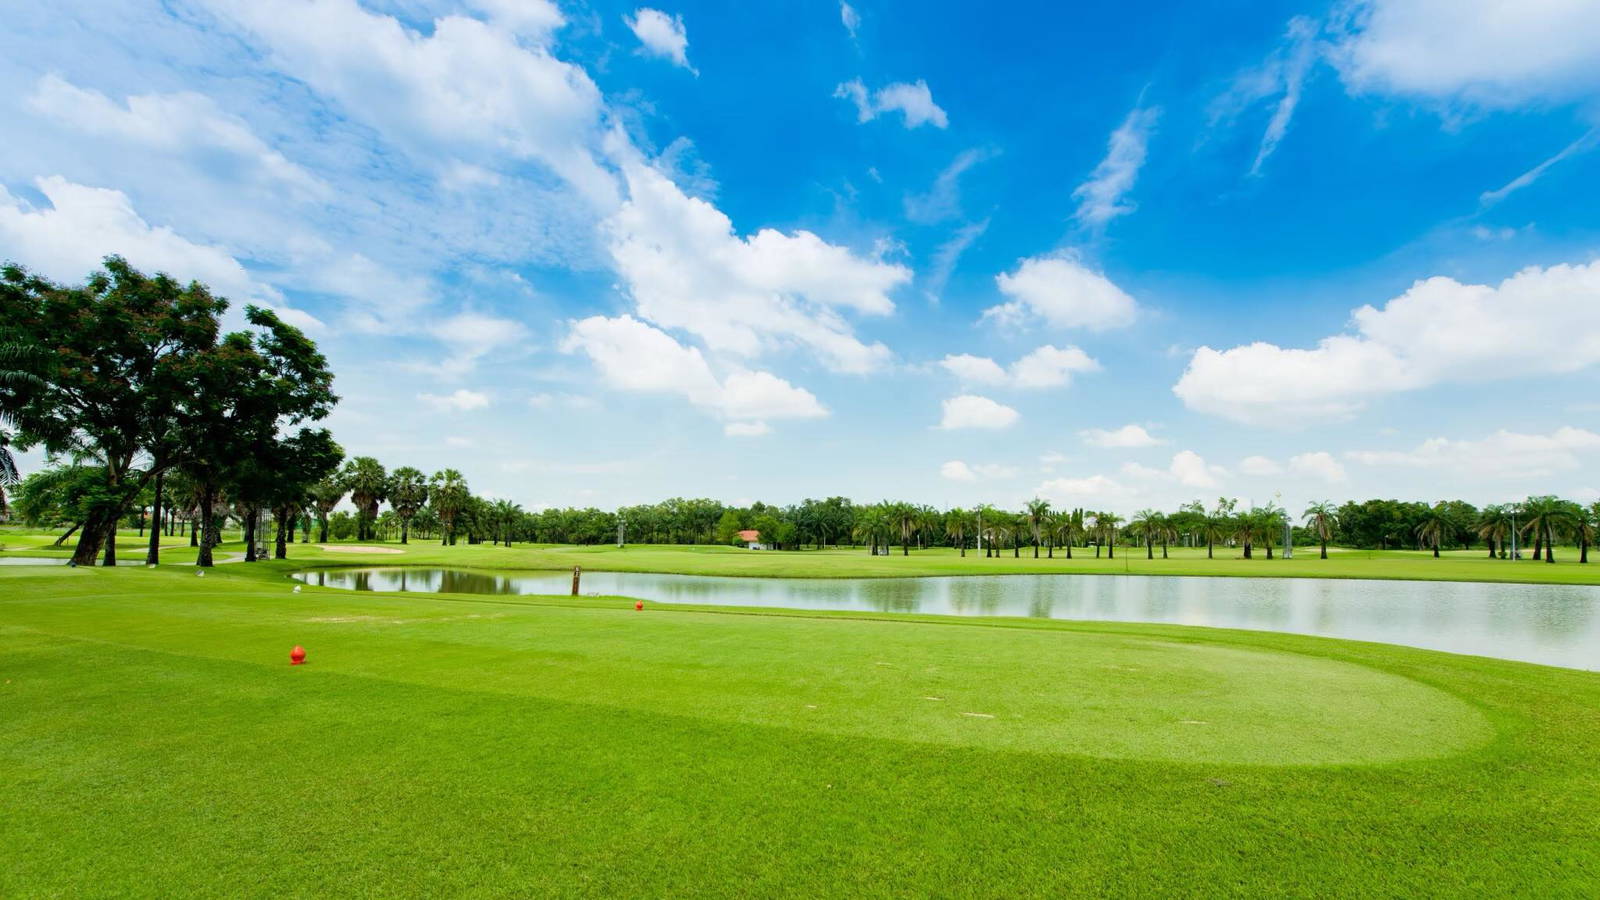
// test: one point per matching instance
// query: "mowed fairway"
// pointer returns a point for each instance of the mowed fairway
(154, 740)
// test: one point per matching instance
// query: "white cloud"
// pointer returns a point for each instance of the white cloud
(975, 369)
(65, 242)
(1588, 141)
(1320, 465)
(1047, 366)
(462, 400)
(1260, 467)
(947, 255)
(662, 35)
(472, 336)
(1051, 366)
(746, 429)
(1079, 491)
(633, 356)
(1126, 436)
(1063, 292)
(534, 18)
(467, 90)
(545, 400)
(943, 199)
(1537, 322)
(913, 100)
(972, 411)
(956, 470)
(850, 18)
(1503, 454)
(1282, 76)
(1100, 198)
(1481, 53)
(685, 268)
(1191, 470)
(184, 122)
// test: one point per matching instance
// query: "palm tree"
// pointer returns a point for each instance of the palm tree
(1548, 517)
(1108, 524)
(1588, 525)
(1069, 529)
(1494, 526)
(1035, 515)
(1435, 527)
(1269, 524)
(325, 495)
(408, 492)
(905, 520)
(504, 515)
(1144, 525)
(1244, 528)
(957, 525)
(368, 485)
(1321, 518)
(450, 498)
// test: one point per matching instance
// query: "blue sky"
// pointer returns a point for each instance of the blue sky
(603, 254)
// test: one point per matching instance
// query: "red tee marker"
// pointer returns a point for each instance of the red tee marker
(638, 604)
(297, 655)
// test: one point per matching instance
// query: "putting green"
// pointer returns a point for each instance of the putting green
(1067, 692)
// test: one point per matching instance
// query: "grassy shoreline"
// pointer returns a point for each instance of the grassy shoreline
(1396, 565)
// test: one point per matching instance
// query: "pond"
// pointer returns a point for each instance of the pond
(33, 561)
(1556, 625)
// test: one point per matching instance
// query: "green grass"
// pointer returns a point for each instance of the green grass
(1405, 565)
(154, 741)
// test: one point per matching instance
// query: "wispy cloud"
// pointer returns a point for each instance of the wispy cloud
(1100, 199)
(1588, 141)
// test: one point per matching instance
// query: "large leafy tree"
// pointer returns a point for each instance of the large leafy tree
(104, 371)
(256, 384)
(408, 493)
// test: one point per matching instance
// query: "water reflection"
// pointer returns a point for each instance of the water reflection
(1551, 624)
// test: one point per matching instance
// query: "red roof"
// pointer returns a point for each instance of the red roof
(749, 534)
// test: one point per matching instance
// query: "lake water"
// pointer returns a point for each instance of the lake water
(1552, 624)
(32, 561)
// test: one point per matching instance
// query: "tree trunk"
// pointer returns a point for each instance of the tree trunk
(1269, 551)
(1149, 549)
(250, 534)
(1111, 549)
(405, 529)
(92, 536)
(1324, 548)
(208, 521)
(1164, 548)
(1583, 548)
(1549, 545)
(1068, 546)
(153, 555)
(281, 549)
(1210, 544)
(66, 534)
(111, 545)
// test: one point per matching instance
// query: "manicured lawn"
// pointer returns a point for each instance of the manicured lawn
(1412, 565)
(154, 741)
